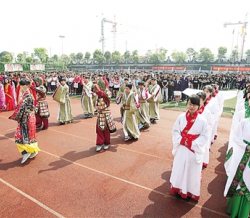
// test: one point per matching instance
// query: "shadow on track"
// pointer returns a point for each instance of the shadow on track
(216, 188)
(165, 206)
(74, 156)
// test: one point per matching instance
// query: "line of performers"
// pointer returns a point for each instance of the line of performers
(237, 163)
(139, 107)
(193, 134)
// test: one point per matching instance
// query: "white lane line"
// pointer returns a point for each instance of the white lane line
(128, 182)
(32, 199)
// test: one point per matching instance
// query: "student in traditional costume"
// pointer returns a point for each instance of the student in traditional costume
(105, 124)
(87, 98)
(2, 96)
(62, 97)
(25, 116)
(42, 109)
(120, 97)
(189, 145)
(154, 100)
(143, 111)
(219, 100)
(212, 105)
(237, 189)
(9, 97)
(205, 112)
(130, 125)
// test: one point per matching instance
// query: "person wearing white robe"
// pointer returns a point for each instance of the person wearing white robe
(188, 154)
(212, 105)
(205, 112)
(237, 189)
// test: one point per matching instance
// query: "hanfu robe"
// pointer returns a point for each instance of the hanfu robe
(65, 113)
(189, 145)
(2, 98)
(237, 189)
(130, 125)
(205, 112)
(143, 111)
(154, 100)
(25, 136)
(9, 97)
(87, 99)
(104, 124)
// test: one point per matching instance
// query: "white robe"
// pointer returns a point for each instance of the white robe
(238, 117)
(239, 147)
(214, 109)
(187, 166)
(208, 116)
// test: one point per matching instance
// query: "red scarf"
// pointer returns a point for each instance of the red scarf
(208, 100)
(187, 139)
(200, 111)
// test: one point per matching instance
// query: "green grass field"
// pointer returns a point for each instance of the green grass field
(228, 109)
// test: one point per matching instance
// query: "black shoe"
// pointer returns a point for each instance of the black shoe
(61, 123)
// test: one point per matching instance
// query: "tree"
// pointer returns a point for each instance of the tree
(87, 56)
(222, 52)
(235, 55)
(54, 58)
(162, 54)
(126, 56)
(79, 57)
(72, 57)
(135, 56)
(179, 57)
(65, 59)
(248, 52)
(6, 57)
(192, 54)
(21, 57)
(98, 56)
(206, 55)
(116, 57)
(107, 56)
(28, 59)
(41, 54)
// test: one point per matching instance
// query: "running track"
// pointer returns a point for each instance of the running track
(69, 179)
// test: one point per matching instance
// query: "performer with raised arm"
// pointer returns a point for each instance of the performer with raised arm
(87, 98)
(154, 100)
(189, 143)
(105, 124)
(25, 116)
(61, 95)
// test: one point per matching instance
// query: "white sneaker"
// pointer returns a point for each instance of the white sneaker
(33, 155)
(127, 138)
(25, 157)
(106, 147)
(98, 148)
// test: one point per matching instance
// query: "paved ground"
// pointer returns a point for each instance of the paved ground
(69, 179)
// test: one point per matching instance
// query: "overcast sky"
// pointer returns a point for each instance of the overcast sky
(142, 25)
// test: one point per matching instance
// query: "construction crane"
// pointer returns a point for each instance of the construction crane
(244, 33)
(114, 30)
